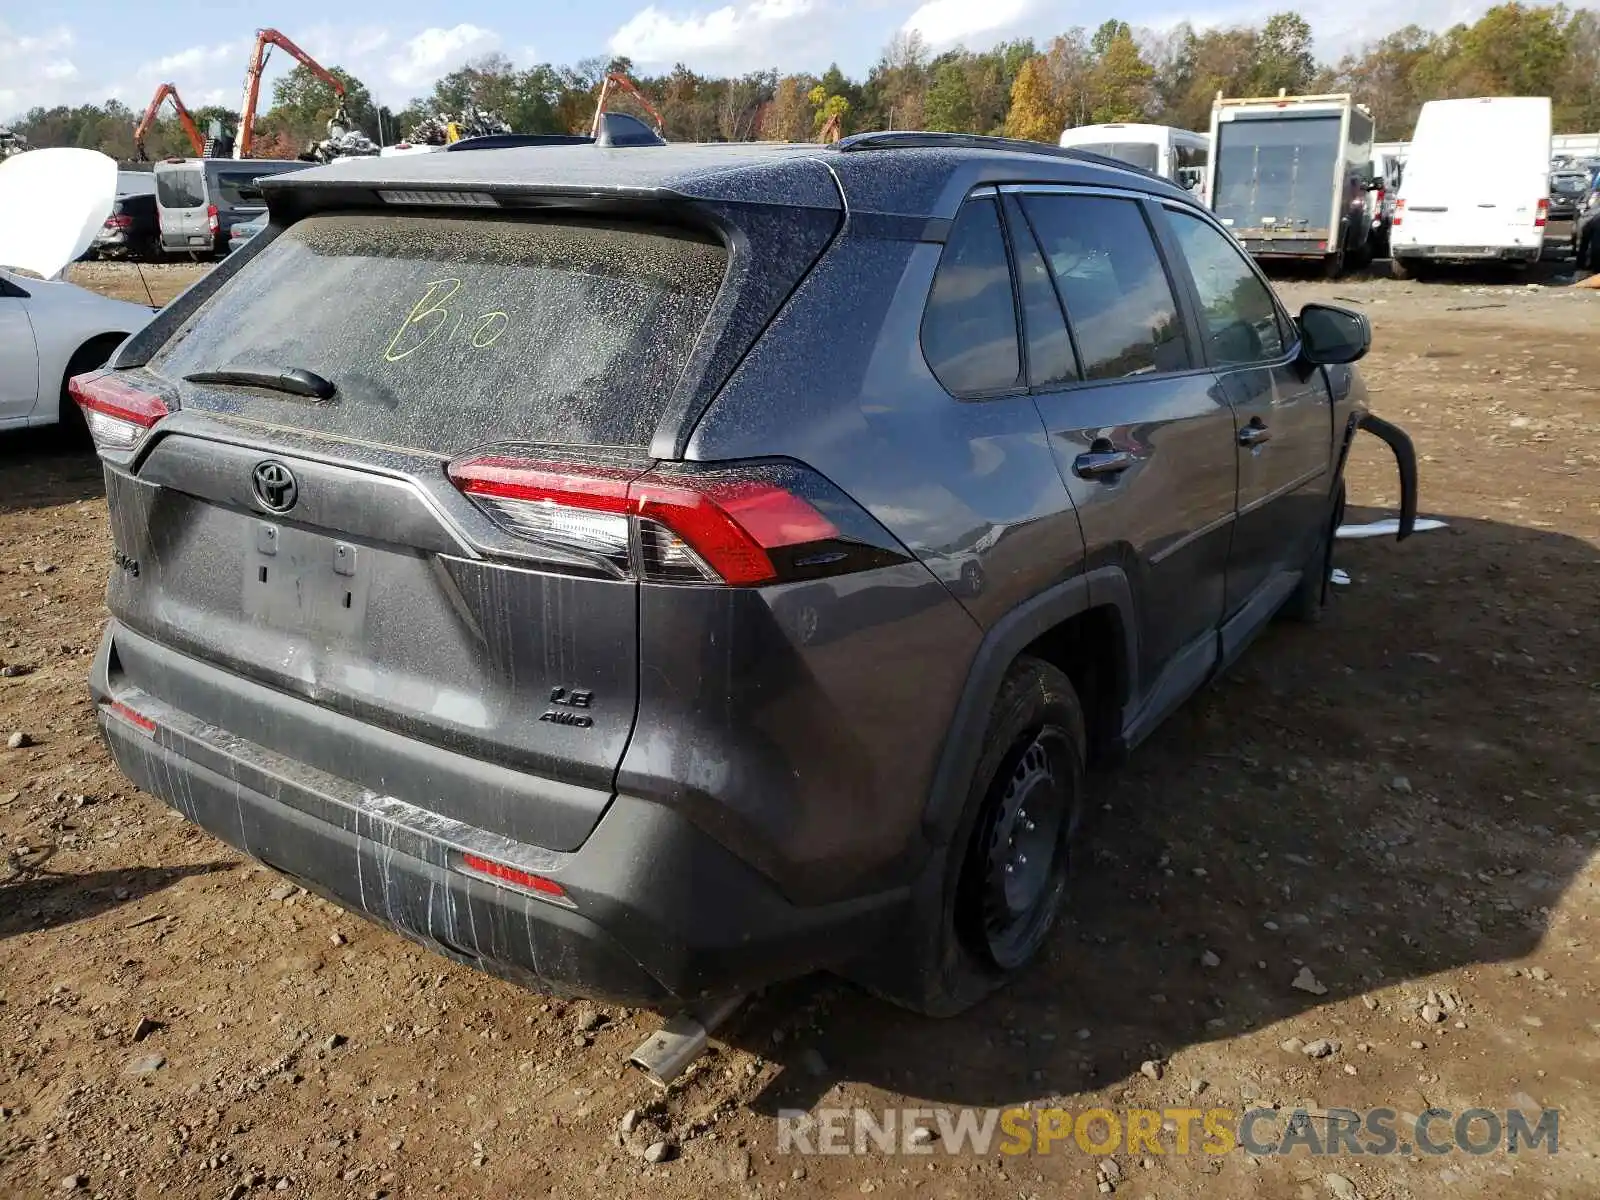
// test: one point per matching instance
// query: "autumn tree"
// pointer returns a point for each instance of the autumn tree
(302, 105)
(1035, 113)
(1283, 58)
(789, 117)
(1120, 80)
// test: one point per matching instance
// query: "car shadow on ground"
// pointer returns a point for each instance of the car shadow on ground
(1406, 789)
(33, 897)
(40, 469)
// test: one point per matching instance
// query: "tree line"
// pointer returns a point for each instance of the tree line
(1018, 88)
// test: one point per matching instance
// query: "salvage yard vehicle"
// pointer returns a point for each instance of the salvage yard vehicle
(243, 231)
(1291, 175)
(53, 203)
(1180, 155)
(133, 230)
(201, 199)
(1568, 192)
(1477, 185)
(496, 556)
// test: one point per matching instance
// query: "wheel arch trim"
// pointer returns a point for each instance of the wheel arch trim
(1104, 587)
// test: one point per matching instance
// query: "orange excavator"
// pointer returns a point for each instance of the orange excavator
(265, 39)
(613, 81)
(142, 129)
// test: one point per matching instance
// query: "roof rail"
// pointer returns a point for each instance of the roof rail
(910, 140)
(905, 139)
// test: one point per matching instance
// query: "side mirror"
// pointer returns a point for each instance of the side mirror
(1331, 335)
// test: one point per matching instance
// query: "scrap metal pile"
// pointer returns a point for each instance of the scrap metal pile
(11, 143)
(441, 128)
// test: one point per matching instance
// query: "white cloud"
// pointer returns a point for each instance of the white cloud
(190, 61)
(35, 69)
(435, 52)
(948, 22)
(746, 33)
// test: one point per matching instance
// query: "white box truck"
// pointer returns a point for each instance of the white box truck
(1477, 184)
(1290, 176)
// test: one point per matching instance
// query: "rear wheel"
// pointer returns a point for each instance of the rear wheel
(1004, 877)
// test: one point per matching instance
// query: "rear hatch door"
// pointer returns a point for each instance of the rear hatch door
(315, 544)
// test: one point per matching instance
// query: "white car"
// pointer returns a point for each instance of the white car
(52, 202)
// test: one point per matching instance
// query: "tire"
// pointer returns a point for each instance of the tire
(71, 429)
(988, 908)
(1309, 599)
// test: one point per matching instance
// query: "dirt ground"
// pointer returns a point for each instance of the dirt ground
(1405, 800)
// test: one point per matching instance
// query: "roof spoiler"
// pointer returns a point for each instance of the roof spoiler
(617, 130)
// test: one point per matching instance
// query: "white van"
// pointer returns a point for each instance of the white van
(1476, 185)
(1177, 154)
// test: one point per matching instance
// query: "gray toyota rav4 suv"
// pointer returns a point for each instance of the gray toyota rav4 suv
(651, 573)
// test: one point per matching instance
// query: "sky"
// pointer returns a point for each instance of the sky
(88, 51)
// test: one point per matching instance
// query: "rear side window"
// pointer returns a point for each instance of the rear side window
(181, 189)
(445, 333)
(1117, 295)
(969, 331)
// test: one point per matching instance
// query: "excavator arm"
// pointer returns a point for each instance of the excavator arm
(142, 129)
(266, 38)
(616, 79)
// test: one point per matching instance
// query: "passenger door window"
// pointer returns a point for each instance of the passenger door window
(969, 331)
(1118, 298)
(1237, 312)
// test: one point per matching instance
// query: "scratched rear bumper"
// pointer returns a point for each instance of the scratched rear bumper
(660, 914)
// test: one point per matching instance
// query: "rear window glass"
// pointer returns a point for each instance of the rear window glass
(445, 333)
(180, 189)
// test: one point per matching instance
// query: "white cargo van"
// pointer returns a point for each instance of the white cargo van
(1476, 185)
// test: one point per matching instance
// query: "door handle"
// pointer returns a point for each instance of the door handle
(1255, 433)
(1099, 464)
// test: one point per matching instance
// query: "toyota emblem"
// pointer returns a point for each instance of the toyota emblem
(275, 486)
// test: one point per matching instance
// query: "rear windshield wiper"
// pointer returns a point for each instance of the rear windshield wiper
(297, 381)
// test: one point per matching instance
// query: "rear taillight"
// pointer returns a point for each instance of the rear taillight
(119, 221)
(1542, 214)
(117, 413)
(212, 220)
(742, 526)
(1399, 213)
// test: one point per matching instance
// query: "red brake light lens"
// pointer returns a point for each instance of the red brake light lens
(211, 218)
(1542, 217)
(716, 527)
(117, 413)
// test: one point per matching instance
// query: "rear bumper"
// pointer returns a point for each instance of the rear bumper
(658, 913)
(1469, 253)
(1313, 245)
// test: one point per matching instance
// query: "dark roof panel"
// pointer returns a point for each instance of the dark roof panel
(923, 178)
